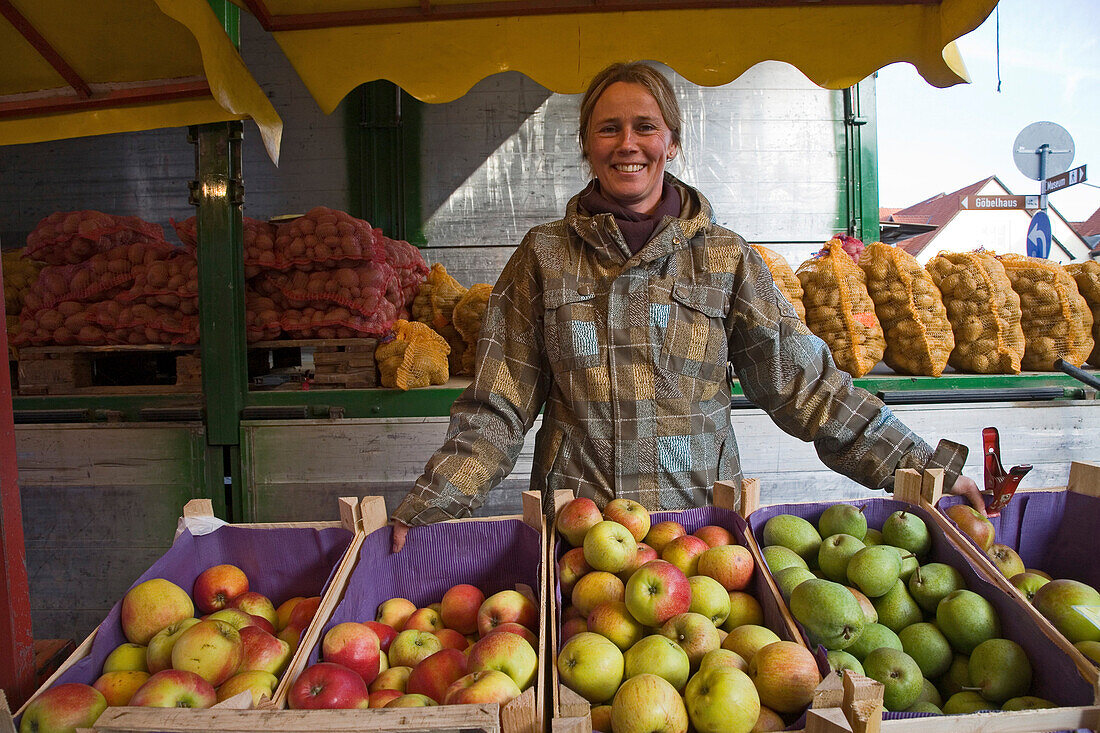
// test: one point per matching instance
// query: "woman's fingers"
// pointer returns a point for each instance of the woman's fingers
(400, 529)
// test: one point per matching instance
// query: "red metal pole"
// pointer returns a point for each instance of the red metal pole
(17, 674)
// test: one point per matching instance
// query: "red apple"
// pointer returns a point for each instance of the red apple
(505, 606)
(630, 514)
(730, 565)
(261, 685)
(303, 612)
(355, 646)
(262, 652)
(395, 612)
(459, 608)
(714, 535)
(662, 533)
(482, 687)
(217, 586)
(211, 649)
(612, 620)
(507, 653)
(576, 518)
(436, 673)
(695, 634)
(381, 698)
(175, 688)
(63, 708)
(595, 588)
(292, 635)
(150, 606)
(158, 655)
(262, 623)
(518, 630)
(393, 678)
(256, 604)
(384, 632)
(571, 628)
(118, 687)
(424, 619)
(284, 610)
(785, 675)
(412, 701)
(235, 617)
(684, 552)
(645, 554)
(328, 686)
(972, 524)
(656, 592)
(571, 567)
(451, 639)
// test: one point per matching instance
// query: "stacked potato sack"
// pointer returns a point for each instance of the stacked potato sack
(1087, 276)
(413, 356)
(259, 242)
(784, 278)
(94, 258)
(1056, 320)
(910, 309)
(410, 267)
(468, 316)
(839, 309)
(434, 305)
(983, 309)
(20, 274)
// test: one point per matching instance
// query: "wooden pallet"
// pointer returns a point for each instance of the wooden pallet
(74, 370)
(336, 363)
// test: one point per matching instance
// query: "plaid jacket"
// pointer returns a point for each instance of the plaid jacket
(626, 354)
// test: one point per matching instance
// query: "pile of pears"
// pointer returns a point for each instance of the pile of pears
(872, 599)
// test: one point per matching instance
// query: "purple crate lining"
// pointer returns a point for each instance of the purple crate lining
(493, 555)
(281, 563)
(1055, 677)
(1060, 537)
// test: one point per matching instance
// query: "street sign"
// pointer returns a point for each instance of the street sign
(1069, 178)
(1038, 235)
(999, 203)
(1043, 149)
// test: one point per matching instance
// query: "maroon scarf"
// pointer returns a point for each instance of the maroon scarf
(636, 228)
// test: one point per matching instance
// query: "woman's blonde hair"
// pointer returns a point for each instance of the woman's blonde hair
(635, 72)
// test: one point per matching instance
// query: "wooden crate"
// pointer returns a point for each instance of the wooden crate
(200, 511)
(336, 363)
(1084, 478)
(571, 712)
(80, 370)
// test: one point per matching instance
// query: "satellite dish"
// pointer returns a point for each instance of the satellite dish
(1027, 150)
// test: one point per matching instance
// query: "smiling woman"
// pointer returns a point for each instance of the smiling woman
(618, 321)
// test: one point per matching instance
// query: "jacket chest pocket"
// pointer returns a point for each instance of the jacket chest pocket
(571, 337)
(694, 341)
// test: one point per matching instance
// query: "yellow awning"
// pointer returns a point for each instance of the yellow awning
(70, 69)
(437, 49)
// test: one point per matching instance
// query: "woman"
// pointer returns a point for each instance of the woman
(618, 322)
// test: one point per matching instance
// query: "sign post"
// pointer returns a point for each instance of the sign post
(1064, 180)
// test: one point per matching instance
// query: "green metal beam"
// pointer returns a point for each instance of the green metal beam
(861, 161)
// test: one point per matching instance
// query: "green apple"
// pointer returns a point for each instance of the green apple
(967, 619)
(612, 619)
(873, 537)
(842, 660)
(928, 647)
(1007, 560)
(899, 675)
(896, 608)
(908, 531)
(709, 598)
(1000, 669)
(1028, 584)
(694, 633)
(648, 704)
(127, 656)
(835, 552)
(721, 699)
(965, 702)
(1027, 702)
(931, 583)
(1056, 601)
(874, 570)
(748, 639)
(794, 533)
(923, 706)
(659, 655)
(744, 609)
(843, 519)
(591, 666)
(957, 677)
(790, 578)
(831, 615)
(609, 546)
(723, 658)
(777, 558)
(158, 655)
(874, 636)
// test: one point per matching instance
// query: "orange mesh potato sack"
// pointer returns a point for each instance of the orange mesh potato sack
(910, 309)
(469, 314)
(416, 356)
(1087, 276)
(784, 278)
(840, 311)
(1056, 320)
(983, 309)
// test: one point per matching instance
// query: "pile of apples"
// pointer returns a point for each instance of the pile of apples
(659, 632)
(871, 599)
(1056, 599)
(174, 659)
(466, 649)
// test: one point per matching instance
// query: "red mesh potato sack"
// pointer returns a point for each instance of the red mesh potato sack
(69, 237)
(326, 237)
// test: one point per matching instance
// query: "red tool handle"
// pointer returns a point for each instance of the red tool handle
(1000, 483)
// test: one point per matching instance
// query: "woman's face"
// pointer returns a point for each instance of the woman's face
(627, 144)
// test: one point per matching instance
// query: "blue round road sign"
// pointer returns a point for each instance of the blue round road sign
(1038, 235)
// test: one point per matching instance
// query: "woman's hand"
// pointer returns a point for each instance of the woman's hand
(966, 487)
(400, 529)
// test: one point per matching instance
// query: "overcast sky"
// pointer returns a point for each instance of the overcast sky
(939, 140)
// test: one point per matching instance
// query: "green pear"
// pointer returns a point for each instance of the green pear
(778, 558)
(928, 647)
(794, 533)
(896, 608)
(842, 660)
(929, 693)
(1027, 702)
(843, 519)
(789, 578)
(1000, 669)
(835, 552)
(909, 566)
(873, 537)
(923, 706)
(831, 615)
(899, 675)
(874, 636)
(908, 531)
(957, 677)
(930, 583)
(874, 570)
(966, 619)
(967, 701)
